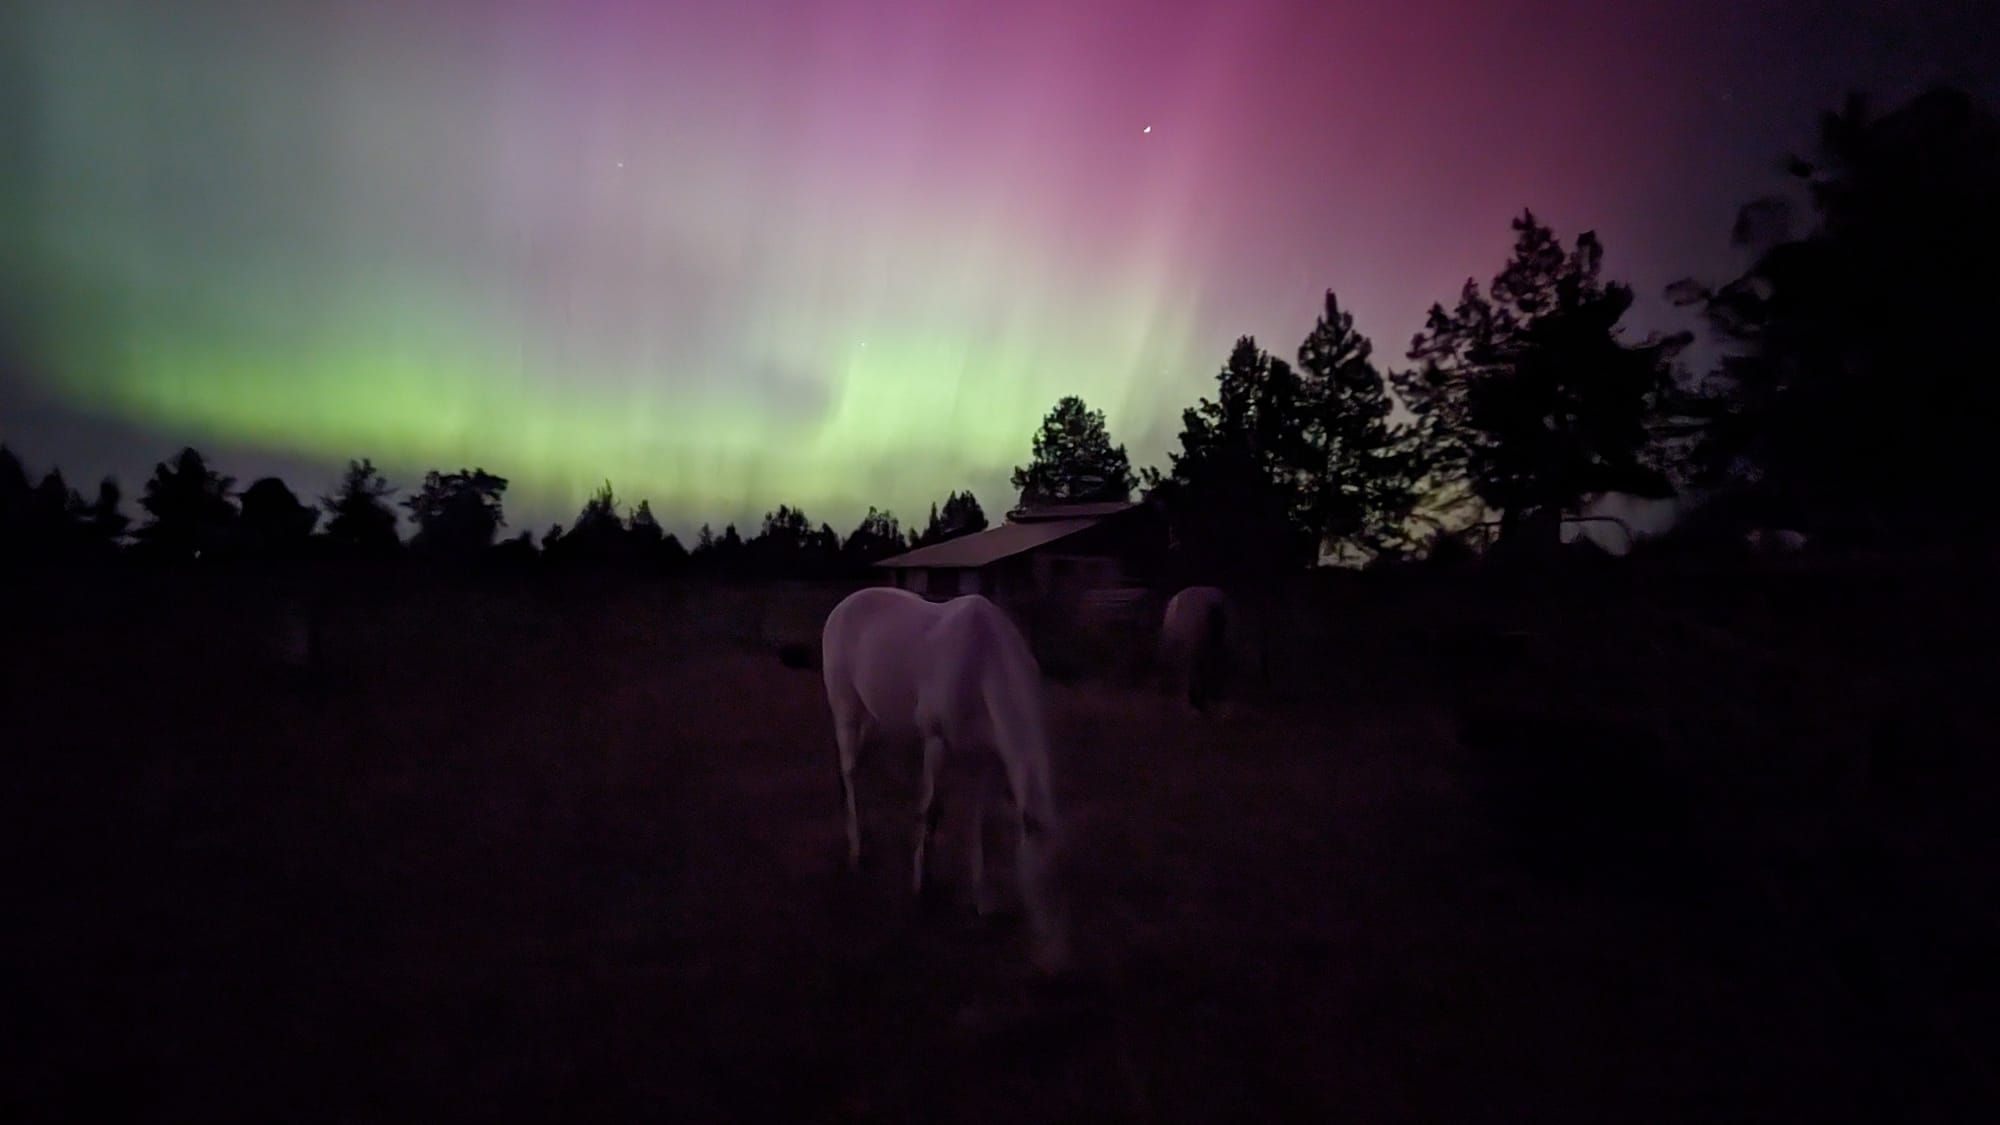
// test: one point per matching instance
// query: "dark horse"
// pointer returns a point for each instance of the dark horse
(1195, 642)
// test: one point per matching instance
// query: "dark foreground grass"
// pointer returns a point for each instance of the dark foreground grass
(518, 856)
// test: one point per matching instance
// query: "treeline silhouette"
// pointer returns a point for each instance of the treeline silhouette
(1851, 401)
(194, 516)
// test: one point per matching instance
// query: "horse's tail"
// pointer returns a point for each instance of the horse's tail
(1218, 628)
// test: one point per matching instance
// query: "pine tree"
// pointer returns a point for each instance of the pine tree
(457, 514)
(16, 500)
(102, 521)
(728, 551)
(191, 507)
(273, 521)
(780, 544)
(598, 536)
(599, 516)
(1074, 460)
(1530, 387)
(644, 529)
(1235, 491)
(1852, 394)
(53, 532)
(877, 537)
(359, 516)
(822, 550)
(1358, 473)
(672, 555)
(961, 515)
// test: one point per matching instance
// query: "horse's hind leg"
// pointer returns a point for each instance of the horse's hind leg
(848, 733)
(928, 809)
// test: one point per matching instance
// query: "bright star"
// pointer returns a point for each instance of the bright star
(1147, 129)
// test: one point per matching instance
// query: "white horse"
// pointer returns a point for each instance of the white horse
(959, 677)
(1199, 642)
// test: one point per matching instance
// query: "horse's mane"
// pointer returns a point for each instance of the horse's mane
(1017, 714)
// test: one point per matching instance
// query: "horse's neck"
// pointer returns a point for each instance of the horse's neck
(1016, 710)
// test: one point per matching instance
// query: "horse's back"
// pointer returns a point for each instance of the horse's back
(870, 616)
(871, 653)
(912, 663)
(1190, 612)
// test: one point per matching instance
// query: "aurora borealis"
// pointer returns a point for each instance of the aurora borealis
(830, 254)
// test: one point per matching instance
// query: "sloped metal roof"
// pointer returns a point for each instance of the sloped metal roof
(991, 545)
(1093, 510)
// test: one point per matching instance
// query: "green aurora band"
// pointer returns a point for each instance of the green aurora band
(264, 262)
(828, 253)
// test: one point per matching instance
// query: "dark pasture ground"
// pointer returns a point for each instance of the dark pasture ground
(557, 854)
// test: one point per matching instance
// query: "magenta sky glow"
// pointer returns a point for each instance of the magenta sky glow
(830, 254)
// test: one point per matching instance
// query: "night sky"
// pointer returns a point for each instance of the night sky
(732, 254)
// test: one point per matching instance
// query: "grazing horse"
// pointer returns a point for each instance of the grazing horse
(959, 677)
(1198, 643)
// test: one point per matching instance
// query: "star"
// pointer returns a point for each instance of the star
(1147, 129)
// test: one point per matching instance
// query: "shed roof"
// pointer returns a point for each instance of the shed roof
(991, 545)
(1093, 510)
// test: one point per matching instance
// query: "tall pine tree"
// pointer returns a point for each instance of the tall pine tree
(191, 508)
(961, 515)
(1531, 388)
(1359, 474)
(1074, 460)
(103, 521)
(1853, 391)
(1234, 491)
(878, 537)
(780, 544)
(457, 514)
(644, 529)
(598, 537)
(360, 520)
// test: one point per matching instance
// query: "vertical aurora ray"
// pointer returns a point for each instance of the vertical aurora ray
(830, 254)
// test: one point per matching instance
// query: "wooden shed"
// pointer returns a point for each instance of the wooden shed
(1039, 552)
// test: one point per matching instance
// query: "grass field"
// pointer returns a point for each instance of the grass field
(571, 854)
